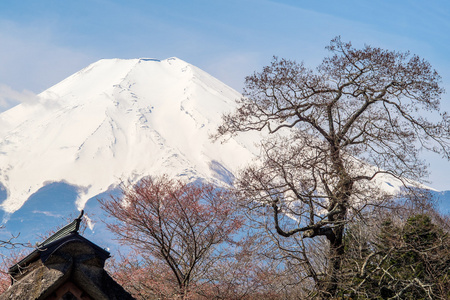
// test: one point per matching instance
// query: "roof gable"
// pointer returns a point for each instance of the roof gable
(64, 260)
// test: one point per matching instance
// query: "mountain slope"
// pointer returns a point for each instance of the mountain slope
(119, 120)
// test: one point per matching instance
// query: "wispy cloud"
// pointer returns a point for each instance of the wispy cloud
(10, 97)
(47, 213)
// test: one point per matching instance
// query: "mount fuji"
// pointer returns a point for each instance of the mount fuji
(116, 120)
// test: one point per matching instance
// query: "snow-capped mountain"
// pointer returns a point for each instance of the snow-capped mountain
(118, 120)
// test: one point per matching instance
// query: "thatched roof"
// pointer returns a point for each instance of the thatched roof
(64, 264)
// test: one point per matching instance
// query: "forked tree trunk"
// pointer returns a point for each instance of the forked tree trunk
(336, 243)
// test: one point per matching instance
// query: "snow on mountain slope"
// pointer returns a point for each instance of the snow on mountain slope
(119, 120)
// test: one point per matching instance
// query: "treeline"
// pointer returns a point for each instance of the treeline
(194, 242)
(319, 210)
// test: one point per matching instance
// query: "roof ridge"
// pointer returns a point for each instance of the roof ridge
(72, 227)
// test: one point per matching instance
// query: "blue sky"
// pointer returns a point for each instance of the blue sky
(42, 42)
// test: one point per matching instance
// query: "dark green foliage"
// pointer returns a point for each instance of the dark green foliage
(420, 232)
(409, 260)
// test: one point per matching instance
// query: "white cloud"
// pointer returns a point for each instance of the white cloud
(47, 213)
(10, 97)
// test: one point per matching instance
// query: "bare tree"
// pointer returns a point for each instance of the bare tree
(361, 115)
(185, 226)
(10, 252)
(144, 279)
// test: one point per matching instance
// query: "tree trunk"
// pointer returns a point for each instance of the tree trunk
(335, 254)
(336, 245)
